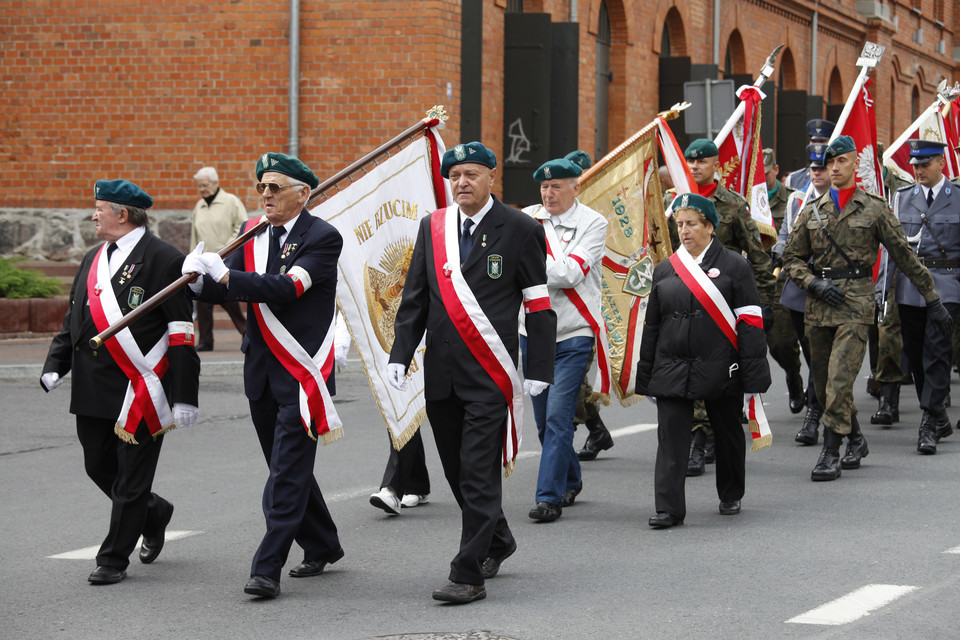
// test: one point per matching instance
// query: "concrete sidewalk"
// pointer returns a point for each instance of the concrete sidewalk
(23, 357)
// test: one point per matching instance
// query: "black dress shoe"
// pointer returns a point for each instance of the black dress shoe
(491, 566)
(798, 399)
(571, 495)
(545, 512)
(152, 545)
(309, 568)
(460, 593)
(596, 442)
(731, 508)
(262, 586)
(106, 575)
(205, 346)
(663, 520)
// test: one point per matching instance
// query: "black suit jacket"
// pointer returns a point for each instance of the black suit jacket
(449, 364)
(318, 246)
(99, 385)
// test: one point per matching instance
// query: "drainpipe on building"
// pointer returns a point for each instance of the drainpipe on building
(293, 144)
(813, 51)
(716, 33)
(573, 10)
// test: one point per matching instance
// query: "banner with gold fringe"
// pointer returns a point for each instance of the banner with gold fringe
(625, 188)
(378, 216)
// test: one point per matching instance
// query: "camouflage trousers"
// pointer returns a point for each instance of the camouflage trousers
(836, 354)
(886, 345)
(586, 411)
(700, 418)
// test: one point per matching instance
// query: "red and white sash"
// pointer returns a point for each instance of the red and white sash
(592, 316)
(475, 328)
(317, 412)
(145, 399)
(707, 294)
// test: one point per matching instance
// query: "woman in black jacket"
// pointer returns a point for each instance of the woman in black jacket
(702, 340)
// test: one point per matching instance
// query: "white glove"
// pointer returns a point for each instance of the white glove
(50, 381)
(397, 376)
(185, 415)
(340, 354)
(534, 387)
(193, 263)
(214, 265)
(341, 341)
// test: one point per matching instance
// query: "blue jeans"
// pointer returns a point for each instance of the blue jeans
(553, 410)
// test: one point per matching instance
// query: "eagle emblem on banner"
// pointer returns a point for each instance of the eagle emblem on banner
(384, 287)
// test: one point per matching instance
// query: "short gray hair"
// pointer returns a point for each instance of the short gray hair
(138, 217)
(208, 173)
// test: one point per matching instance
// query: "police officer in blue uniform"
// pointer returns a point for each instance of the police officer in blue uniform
(930, 212)
(819, 132)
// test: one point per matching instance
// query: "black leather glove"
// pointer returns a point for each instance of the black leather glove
(940, 317)
(766, 312)
(827, 291)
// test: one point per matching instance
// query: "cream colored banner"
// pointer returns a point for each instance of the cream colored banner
(627, 192)
(378, 216)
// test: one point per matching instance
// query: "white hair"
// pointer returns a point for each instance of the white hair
(207, 173)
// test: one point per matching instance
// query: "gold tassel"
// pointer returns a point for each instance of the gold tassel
(331, 436)
(169, 427)
(509, 467)
(126, 436)
(762, 443)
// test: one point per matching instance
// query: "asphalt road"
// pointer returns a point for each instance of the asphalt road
(598, 572)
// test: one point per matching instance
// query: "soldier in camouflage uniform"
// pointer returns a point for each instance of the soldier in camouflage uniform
(738, 231)
(886, 347)
(842, 231)
(781, 338)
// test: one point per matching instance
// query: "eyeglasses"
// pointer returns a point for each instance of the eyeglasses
(273, 187)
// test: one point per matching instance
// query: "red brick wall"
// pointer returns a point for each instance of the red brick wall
(152, 91)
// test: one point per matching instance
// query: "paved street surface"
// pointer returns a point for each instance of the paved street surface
(873, 555)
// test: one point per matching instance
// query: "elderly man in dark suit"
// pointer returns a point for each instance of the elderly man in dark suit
(474, 265)
(289, 279)
(121, 392)
(928, 212)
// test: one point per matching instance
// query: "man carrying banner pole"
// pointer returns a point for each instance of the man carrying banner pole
(575, 237)
(473, 267)
(289, 278)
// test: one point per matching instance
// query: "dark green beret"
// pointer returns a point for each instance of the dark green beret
(556, 169)
(697, 203)
(581, 158)
(288, 166)
(122, 192)
(840, 146)
(701, 148)
(472, 152)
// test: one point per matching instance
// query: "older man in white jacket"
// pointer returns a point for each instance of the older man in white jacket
(576, 235)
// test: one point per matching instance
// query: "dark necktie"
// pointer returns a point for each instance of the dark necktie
(466, 240)
(275, 233)
(929, 198)
(110, 249)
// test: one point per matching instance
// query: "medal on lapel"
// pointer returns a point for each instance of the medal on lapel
(287, 250)
(127, 272)
(483, 240)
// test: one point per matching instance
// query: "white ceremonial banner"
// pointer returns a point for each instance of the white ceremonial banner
(378, 216)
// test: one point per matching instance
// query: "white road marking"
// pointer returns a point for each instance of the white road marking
(854, 605)
(90, 553)
(953, 550)
(622, 431)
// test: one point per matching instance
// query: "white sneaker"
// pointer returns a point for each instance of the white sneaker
(411, 500)
(387, 500)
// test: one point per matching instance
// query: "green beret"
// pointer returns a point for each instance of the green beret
(697, 203)
(840, 146)
(472, 152)
(581, 158)
(701, 148)
(288, 166)
(122, 192)
(556, 169)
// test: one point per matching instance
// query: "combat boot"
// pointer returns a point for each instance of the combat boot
(889, 411)
(828, 465)
(795, 390)
(942, 427)
(695, 465)
(710, 448)
(927, 439)
(810, 431)
(856, 447)
(873, 386)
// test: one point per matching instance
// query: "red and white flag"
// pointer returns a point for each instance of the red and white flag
(673, 160)
(861, 125)
(938, 123)
(741, 161)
